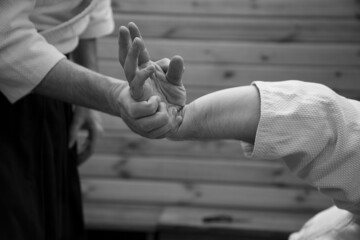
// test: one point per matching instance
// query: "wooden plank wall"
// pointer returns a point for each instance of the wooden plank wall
(133, 182)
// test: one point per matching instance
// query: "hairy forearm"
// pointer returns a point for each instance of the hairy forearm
(85, 54)
(74, 84)
(228, 114)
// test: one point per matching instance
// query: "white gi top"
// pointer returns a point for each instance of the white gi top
(34, 35)
(316, 132)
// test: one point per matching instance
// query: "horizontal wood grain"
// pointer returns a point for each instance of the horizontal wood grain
(122, 216)
(231, 75)
(313, 8)
(195, 218)
(243, 29)
(206, 195)
(126, 143)
(159, 185)
(154, 218)
(222, 52)
(190, 170)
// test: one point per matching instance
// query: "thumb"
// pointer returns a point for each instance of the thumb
(176, 69)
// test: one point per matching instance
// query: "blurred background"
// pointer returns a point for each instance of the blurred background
(135, 188)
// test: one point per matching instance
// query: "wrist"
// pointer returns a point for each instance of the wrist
(179, 133)
(116, 95)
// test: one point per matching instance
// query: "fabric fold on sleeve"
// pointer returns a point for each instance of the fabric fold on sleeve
(101, 22)
(316, 132)
(25, 56)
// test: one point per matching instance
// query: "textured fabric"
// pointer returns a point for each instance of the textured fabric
(59, 24)
(316, 133)
(40, 189)
(63, 22)
(25, 56)
(101, 21)
(30, 49)
(330, 224)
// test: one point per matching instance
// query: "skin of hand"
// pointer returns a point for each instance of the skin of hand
(227, 114)
(90, 121)
(84, 118)
(72, 83)
(330, 224)
(147, 78)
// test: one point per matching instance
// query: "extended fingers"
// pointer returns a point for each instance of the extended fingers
(175, 71)
(131, 61)
(124, 44)
(144, 56)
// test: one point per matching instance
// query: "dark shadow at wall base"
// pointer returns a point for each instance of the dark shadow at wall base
(115, 235)
(183, 234)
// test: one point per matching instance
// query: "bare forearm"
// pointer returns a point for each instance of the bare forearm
(228, 114)
(85, 54)
(72, 83)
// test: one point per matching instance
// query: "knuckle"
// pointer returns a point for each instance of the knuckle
(164, 118)
(133, 112)
(152, 108)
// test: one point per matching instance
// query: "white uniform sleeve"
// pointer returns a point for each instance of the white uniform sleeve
(316, 133)
(101, 21)
(25, 56)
